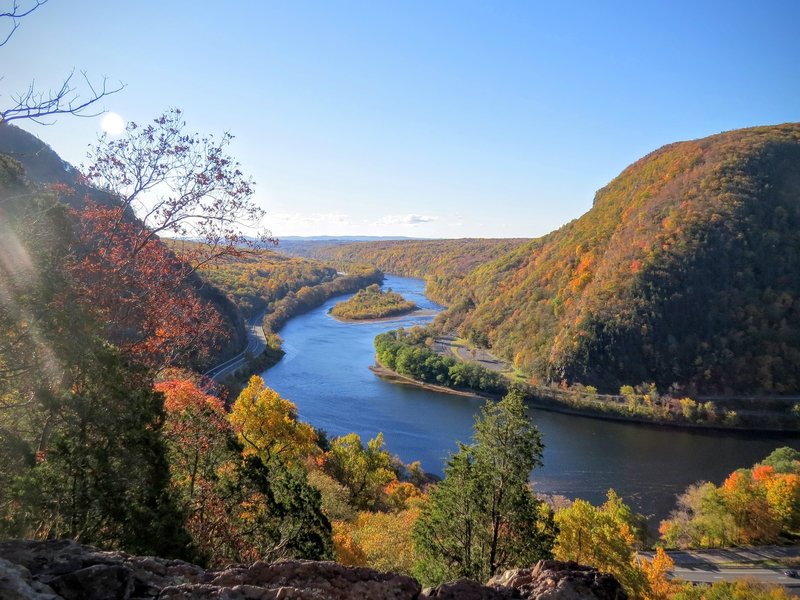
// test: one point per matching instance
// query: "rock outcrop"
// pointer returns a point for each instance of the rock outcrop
(555, 580)
(66, 570)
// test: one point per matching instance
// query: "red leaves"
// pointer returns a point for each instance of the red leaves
(140, 291)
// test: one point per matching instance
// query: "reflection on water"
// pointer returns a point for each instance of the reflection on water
(326, 373)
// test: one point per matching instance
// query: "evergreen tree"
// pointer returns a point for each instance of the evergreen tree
(483, 517)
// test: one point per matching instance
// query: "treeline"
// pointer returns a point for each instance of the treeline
(442, 263)
(373, 303)
(645, 402)
(682, 273)
(414, 353)
(257, 279)
(407, 352)
(308, 297)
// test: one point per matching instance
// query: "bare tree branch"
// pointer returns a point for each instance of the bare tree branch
(16, 12)
(179, 184)
(67, 99)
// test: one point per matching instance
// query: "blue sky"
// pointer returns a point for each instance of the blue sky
(425, 119)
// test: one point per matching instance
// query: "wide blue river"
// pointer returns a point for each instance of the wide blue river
(326, 373)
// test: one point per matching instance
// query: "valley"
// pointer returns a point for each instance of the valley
(326, 372)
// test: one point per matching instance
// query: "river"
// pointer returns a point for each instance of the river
(326, 373)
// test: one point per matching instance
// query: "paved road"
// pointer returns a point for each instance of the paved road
(256, 343)
(446, 344)
(760, 574)
(730, 564)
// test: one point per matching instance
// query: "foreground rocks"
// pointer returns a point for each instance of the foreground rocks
(66, 570)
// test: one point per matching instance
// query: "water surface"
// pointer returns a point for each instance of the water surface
(326, 373)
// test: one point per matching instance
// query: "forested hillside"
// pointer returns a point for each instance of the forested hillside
(134, 316)
(257, 279)
(684, 271)
(443, 263)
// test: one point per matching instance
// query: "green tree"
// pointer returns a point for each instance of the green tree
(364, 471)
(279, 512)
(483, 517)
(783, 460)
(100, 473)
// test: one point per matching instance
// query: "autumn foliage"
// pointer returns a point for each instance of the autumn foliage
(752, 506)
(242, 502)
(267, 425)
(682, 272)
(141, 292)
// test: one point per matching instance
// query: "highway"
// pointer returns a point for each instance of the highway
(773, 576)
(256, 343)
(730, 564)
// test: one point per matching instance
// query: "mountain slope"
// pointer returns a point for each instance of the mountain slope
(43, 171)
(686, 270)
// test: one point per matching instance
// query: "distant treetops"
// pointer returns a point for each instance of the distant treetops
(373, 303)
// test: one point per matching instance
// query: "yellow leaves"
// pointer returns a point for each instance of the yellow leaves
(656, 570)
(348, 552)
(267, 424)
(600, 537)
(365, 471)
(379, 540)
(783, 496)
(752, 506)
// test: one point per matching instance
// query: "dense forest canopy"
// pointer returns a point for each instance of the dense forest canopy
(683, 272)
(256, 279)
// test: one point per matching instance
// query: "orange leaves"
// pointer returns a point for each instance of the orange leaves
(733, 481)
(348, 552)
(195, 428)
(752, 506)
(657, 570)
(400, 493)
(763, 472)
(182, 395)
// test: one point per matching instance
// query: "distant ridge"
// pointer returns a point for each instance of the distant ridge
(344, 238)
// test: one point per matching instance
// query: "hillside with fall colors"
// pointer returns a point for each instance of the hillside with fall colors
(442, 263)
(683, 272)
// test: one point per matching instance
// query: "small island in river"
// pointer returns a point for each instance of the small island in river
(373, 303)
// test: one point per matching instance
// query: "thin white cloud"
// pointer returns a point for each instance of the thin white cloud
(406, 219)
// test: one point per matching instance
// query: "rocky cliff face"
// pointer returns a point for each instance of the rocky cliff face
(66, 570)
